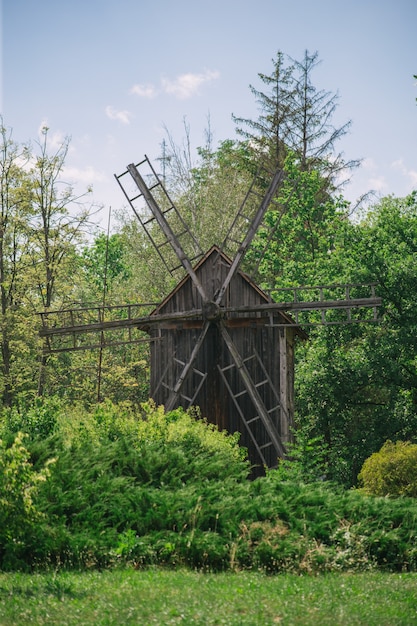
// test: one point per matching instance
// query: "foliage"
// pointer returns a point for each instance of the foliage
(105, 264)
(38, 419)
(40, 226)
(392, 471)
(19, 506)
(296, 117)
(355, 384)
(307, 459)
(145, 488)
(300, 232)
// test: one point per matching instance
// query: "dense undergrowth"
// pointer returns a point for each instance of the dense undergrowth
(141, 487)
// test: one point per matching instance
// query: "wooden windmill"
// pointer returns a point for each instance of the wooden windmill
(217, 340)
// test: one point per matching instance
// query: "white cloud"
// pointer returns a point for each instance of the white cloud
(86, 175)
(122, 116)
(182, 87)
(378, 183)
(374, 180)
(186, 85)
(368, 164)
(144, 91)
(400, 166)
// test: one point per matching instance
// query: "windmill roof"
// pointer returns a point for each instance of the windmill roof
(216, 250)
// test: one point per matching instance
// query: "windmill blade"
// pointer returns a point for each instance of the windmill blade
(72, 329)
(345, 297)
(138, 322)
(176, 391)
(253, 227)
(262, 413)
(172, 238)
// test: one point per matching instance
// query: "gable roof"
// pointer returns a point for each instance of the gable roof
(243, 276)
(202, 261)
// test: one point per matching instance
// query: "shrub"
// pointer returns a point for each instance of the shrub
(133, 485)
(19, 513)
(392, 471)
(308, 459)
(38, 420)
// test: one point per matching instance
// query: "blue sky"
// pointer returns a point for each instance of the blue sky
(111, 74)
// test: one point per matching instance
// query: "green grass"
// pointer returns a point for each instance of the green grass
(163, 597)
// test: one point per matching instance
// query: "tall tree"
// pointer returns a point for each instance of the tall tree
(296, 116)
(271, 132)
(14, 213)
(313, 135)
(295, 132)
(60, 220)
(40, 228)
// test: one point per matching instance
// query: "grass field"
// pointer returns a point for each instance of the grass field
(158, 596)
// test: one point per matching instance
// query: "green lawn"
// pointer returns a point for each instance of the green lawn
(162, 597)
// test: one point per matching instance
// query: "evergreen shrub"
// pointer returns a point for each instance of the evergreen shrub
(127, 486)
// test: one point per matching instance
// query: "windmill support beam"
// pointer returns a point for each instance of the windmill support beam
(138, 322)
(253, 394)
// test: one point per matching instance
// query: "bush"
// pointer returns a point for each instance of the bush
(392, 471)
(19, 513)
(141, 487)
(38, 420)
(308, 459)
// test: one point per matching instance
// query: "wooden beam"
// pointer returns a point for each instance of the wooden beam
(137, 322)
(306, 306)
(166, 229)
(253, 394)
(266, 201)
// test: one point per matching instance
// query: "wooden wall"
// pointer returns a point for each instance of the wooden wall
(252, 336)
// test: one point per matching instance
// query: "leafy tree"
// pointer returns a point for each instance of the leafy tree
(39, 232)
(59, 222)
(56, 226)
(14, 235)
(105, 264)
(300, 232)
(356, 384)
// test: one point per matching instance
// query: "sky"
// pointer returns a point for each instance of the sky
(116, 75)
